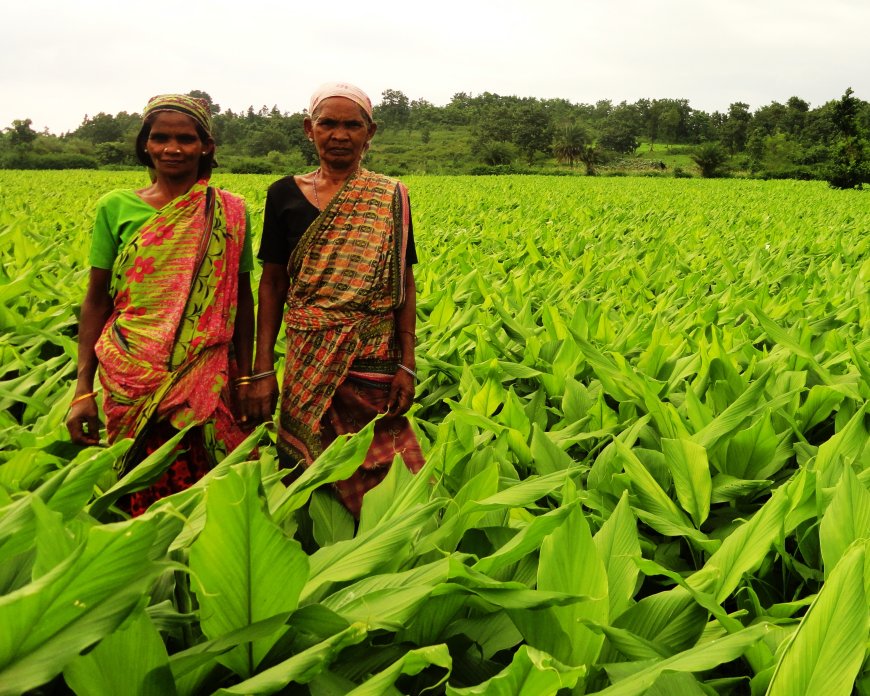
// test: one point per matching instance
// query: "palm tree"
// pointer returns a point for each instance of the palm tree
(574, 143)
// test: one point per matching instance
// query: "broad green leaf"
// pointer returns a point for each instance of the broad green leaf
(846, 446)
(547, 457)
(299, 669)
(381, 548)
(845, 520)
(697, 659)
(244, 569)
(47, 623)
(65, 492)
(525, 541)
(750, 451)
(819, 404)
(338, 462)
(617, 545)
(827, 650)
(648, 490)
(412, 662)
(144, 474)
(746, 405)
(690, 470)
(530, 673)
(745, 548)
(331, 520)
(130, 661)
(569, 563)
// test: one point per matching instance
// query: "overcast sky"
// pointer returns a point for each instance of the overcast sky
(63, 59)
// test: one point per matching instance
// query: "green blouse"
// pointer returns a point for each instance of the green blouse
(120, 213)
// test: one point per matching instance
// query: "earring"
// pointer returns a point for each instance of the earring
(204, 153)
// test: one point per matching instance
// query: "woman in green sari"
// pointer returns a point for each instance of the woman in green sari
(168, 313)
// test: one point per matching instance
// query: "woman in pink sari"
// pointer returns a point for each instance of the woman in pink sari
(168, 313)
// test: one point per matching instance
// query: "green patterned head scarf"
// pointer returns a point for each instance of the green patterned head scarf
(197, 109)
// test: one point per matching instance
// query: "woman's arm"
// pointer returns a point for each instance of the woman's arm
(405, 317)
(83, 421)
(271, 296)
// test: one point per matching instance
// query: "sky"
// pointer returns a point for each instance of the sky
(61, 60)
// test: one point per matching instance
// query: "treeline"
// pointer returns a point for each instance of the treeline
(492, 133)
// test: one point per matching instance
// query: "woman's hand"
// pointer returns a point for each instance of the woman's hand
(261, 397)
(83, 422)
(402, 390)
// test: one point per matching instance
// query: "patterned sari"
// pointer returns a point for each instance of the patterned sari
(164, 353)
(347, 278)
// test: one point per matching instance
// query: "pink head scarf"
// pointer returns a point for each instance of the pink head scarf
(340, 89)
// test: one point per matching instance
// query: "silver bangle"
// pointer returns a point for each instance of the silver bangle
(408, 370)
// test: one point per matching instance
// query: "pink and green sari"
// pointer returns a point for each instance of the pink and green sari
(347, 278)
(164, 353)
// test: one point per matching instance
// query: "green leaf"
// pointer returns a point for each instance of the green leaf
(244, 568)
(130, 661)
(531, 673)
(652, 498)
(827, 650)
(547, 457)
(301, 668)
(845, 520)
(697, 659)
(844, 447)
(144, 474)
(690, 470)
(411, 663)
(525, 541)
(745, 406)
(617, 545)
(569, 563)
(330, 519)
(338, 462)
(382, 547)
(751, 451)
(47, 623)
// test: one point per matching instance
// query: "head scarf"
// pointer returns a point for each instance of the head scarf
(340, 89)
(196, 108)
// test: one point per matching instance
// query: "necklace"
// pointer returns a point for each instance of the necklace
(316, 198)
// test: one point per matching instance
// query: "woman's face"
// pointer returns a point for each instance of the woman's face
(340, 132)
(175, 147)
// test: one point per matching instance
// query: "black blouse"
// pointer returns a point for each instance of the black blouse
(288, 214)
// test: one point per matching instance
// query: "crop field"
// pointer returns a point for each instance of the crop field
(644, 405)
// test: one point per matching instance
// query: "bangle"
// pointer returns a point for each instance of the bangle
(410, 333)
(407, 369)
(253, 378)
(82, 397)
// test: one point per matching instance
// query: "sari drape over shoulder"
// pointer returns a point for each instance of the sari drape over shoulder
(347, 278)
(164, 353)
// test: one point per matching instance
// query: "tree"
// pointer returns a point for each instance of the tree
(394, 109)
(102, 128)
(571, 143)
(710, 158)
(735, 130)
(850, 166)
(21, 135)
(620, 129)
(495, 153)
(533, 130)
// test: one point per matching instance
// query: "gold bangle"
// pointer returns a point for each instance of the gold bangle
(82, 397)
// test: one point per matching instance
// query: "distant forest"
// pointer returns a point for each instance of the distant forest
(491, 134)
